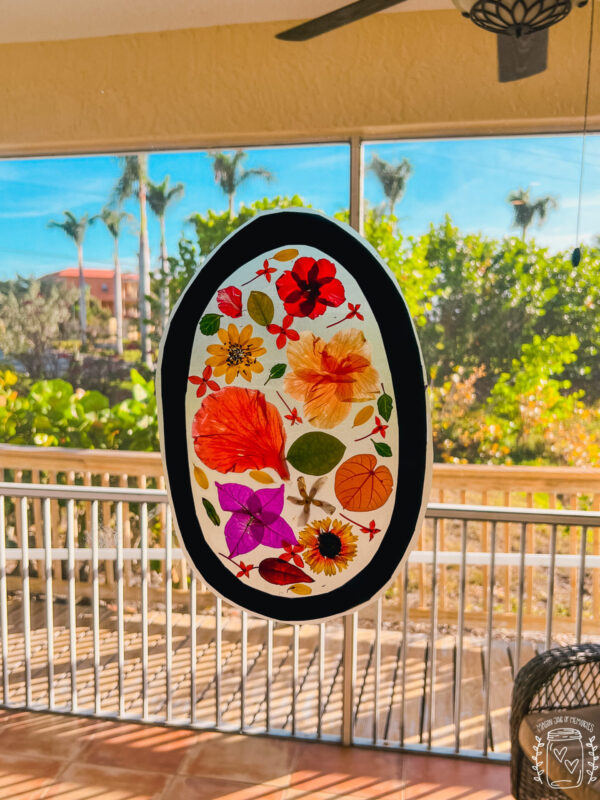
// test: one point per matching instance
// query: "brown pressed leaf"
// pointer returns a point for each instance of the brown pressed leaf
(360, 485)
(260, 476)
(280, 572)
(286, 255)
(237, 430)
(363, 415)
(201, 478)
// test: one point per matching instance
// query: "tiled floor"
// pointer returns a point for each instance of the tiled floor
(69, 758)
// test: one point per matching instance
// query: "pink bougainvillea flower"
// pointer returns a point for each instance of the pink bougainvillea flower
(291, 554)
(310, 287)
(204, 382)
(330, 376)
(256, 518)
(284, 332)
(229, 301)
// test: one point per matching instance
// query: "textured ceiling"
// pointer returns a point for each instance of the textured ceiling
(43, 20)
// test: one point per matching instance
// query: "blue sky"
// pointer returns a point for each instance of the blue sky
(468, 179)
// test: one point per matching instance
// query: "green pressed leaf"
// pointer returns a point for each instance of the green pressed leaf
(316, 453)
(382, 448)
(210, 510)
(261, 309)
(210, 324)
(385, 405)
(277, 371)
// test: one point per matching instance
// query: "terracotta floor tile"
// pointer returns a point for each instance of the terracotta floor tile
(253, 759)
(204, 788)
(45, 734)
(454, 775)
(142, 747)
(86, 780)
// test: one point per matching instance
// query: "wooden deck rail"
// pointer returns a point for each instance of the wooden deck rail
(532, 487)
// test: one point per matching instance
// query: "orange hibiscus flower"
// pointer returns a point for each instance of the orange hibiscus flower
(329, 376)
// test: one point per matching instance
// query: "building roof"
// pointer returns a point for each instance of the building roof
(73, 272)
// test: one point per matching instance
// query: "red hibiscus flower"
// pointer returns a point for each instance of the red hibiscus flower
(284, 332)
(310, 287)
(229, 301)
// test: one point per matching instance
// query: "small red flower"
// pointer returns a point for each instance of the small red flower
(379, 428)
(310, 287)
(229, 301)
(354, 312)
(267, 271)
(293, 416)
(291, 554)
(284, 332)
(244, 570)
(371, 530)
(203, 382)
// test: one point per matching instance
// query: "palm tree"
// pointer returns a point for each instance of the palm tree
(229, 174)
(113, 220)
(134, 182)
(75, 229)
(525, 209)
(393, 178)
(160, 196)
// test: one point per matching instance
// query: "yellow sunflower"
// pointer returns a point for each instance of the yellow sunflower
(237, 354)
(328, 545)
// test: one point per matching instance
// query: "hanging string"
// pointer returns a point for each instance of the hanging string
(576, 254)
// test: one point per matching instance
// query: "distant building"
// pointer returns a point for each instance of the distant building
(101, 283)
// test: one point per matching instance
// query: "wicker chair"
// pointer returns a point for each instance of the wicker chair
(563, 678)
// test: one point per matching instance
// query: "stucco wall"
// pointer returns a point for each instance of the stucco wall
(427, 73)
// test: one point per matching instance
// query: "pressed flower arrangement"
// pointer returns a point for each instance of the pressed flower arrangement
(292, 438)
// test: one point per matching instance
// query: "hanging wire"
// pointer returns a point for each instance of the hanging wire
(576, 254)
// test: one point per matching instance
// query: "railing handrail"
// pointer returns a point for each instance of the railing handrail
(470, 477)
(475, 513)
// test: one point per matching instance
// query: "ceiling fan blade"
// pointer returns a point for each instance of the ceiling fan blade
(335, 19)
(523, 56)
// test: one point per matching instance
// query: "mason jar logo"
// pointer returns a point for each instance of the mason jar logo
(565, 754)
(565, 745)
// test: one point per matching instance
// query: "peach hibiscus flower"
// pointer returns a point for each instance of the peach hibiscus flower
(329, 376)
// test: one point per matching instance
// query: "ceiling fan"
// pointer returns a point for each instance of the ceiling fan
(521, 27)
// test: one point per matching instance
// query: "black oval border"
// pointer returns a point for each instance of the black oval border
(279, 229)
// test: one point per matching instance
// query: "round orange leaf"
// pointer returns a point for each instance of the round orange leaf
(360, 485)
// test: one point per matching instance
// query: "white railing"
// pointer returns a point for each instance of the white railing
(122, 649)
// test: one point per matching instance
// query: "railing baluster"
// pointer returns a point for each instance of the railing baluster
(320, 696)
(96, 607)
(550, 593)
(193, 646)
(377, 673)
(218, 658)
(3, 605)
(295, 649)
(460, 636)
(120, 621)
(269, 675)
(243, 668)
(433, 633)
(169, 611)
(490, 620)
(47, 542)
(144, 588)
(581, 585)
(404, 652)
(72, 600)
(521, 591)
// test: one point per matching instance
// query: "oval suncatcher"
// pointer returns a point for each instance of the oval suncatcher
(294, 426)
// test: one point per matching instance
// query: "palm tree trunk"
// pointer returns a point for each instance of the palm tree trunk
(524, 233)
(118, 298)
(144, 270)
(164, 283)
(231, 207)
(82, 297)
